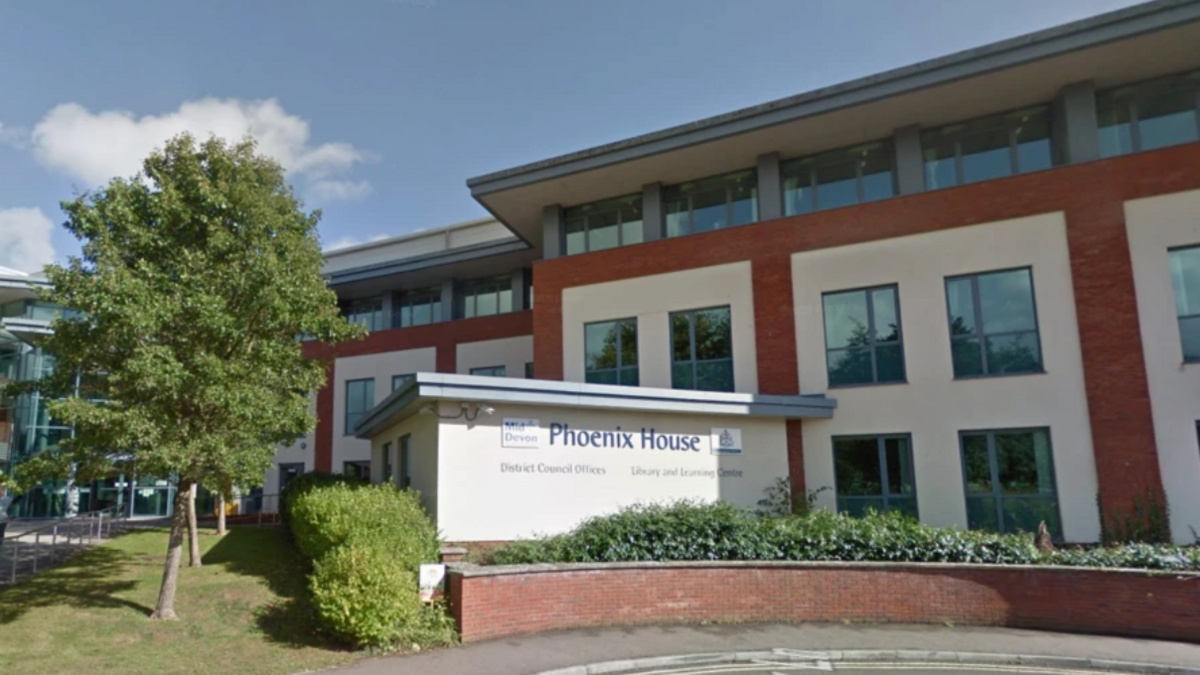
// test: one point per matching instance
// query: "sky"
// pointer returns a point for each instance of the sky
(380, 110)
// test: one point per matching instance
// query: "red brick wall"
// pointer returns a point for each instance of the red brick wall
(1132, 604)
(445, 336)
(1091, 196)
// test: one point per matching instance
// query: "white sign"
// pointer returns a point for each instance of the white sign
(726, 441)
(431, 577)
(520, 433)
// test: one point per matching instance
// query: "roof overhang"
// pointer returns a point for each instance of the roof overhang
(1128, 45)
(25, 329)
(426, 388)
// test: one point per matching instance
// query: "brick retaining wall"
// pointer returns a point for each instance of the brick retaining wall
(502, 601)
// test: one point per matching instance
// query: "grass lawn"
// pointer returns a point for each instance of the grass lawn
(243, 612)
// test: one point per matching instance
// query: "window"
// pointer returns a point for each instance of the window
(606, 224)
(839, 178)
(489, 371)
(862, 336)
(1185, 276)
(874, 472)
(1149, 115)
(702, 350)
(367, 312)
(399, 381)
(418, 308)
(993, 324)
(289, 471)
(986, 148)
(1009, 479)
(360, 397)
(529, 370)
(405, 461)
(610, 352)
(357, 469)
(387, 462)
(485, 297)
(712, 203)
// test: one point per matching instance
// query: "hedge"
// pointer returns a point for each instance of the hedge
(366, 543)
(693, 531)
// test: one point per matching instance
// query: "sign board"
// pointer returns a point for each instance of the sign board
(520, 433)
(431, 577)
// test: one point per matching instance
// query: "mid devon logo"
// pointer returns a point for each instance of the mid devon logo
(726, 441)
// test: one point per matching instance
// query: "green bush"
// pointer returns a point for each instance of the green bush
(692, 531)
(367, 543)
(307, 482)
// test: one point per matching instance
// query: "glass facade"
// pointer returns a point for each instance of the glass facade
(987, 148)
(712, 203)
(366, 312)
(485, 297)
(862, 336)
(601, 225)
(399, 381)
(702, 350)
(1009, 481)
(491, 371)
(418, 308)
(1149, 115)
(610, 352)
(874, 472)
(1185, 277)
(839, 178)
(993, 324)
(360, 398)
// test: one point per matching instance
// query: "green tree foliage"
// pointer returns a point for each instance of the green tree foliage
(180, 348)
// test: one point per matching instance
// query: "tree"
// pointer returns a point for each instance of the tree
(180, 348)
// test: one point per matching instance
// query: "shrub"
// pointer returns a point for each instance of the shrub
(324, 518)
(1141, 556)
(310, 481)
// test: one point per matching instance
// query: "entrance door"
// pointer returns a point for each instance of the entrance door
(289, 471)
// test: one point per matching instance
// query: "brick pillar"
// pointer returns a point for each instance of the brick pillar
(447, 357)
(547, 327)
(774, 324)
(1118, 394)
(323, 441)
(795, 455)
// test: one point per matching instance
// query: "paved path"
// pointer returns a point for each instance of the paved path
(525, 656)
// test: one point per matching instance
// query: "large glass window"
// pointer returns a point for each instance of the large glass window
(712, 204)
(986, 148)
(1185, 277)
(1149, 115)
(399, 381)
(485, 297)
(405, 469)
(874, 472)
(490, 371)
(367, 312)
(839, 178)
(360, 398)
(610, 352)
(606, 224)
(1009, 479)
(702, 350)
(993, 324)
(862, 336)
(357, 469)
(419, 307)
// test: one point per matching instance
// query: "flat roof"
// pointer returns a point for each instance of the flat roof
(428, 387)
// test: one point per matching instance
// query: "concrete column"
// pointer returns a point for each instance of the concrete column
(389, 310)
(910, 167)
(770, 187)
(447, 299)
(553, 244)
(652, 212)
(1076, 124)
(518, 290)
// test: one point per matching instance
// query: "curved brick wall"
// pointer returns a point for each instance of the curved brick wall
(494, 602)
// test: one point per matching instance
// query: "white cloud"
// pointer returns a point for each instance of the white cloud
(329, 190)
(25, 239)
(347, 242)
(95, 147)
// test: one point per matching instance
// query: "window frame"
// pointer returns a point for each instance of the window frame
(502, 368)
(881, 449)
(617, 206)
(472, 289)
(868, 290)
(620, 364)
(1140, 94)
(996, 493)
(404, 459)
(833, 158)
(979, 333)
(1175, 297)
(1010, 128)
(402, 300)
(667, 199)
(691, 314)
(348, 430)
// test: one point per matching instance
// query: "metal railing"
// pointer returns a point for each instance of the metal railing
(71, 533)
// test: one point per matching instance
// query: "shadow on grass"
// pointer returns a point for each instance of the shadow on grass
(267, 553)
(88, 579)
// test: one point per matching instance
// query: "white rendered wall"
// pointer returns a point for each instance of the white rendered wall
(299, 452)
(512, 353)
(479, 501)
(933, 406)
(423, 456)
(381, 367)
(651, 300)
(1154, 225)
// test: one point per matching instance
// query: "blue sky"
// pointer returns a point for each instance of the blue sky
(381, 109)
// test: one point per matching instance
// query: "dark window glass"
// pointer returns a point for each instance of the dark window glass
(712, 203)
(993, 325)
(862, 336)
(702, 350)
(605, 224)
(1149, 115)
(529, 370)
(874, 472)
(405, 472)
(357, 469)
(839, 178)
(490, 371)
(360, 398)
(485, 297)
(987, 148)
(399, 381)
(367, 312)
(1185, 277)
(610, 352)
(418, 307)
(1009, 481)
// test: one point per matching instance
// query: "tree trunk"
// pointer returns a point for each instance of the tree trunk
(193, 531)
(165, 609)
(220, 514)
